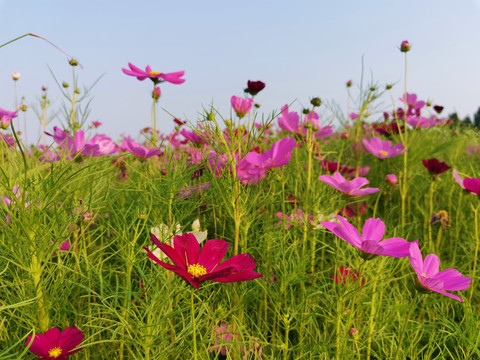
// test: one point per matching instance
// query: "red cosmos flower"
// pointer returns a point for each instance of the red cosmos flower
(435, 167)
(155, 76)
(54, 344)
(345, 273)
(254, 87)
(194, 265)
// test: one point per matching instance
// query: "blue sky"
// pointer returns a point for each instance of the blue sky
(299, 49)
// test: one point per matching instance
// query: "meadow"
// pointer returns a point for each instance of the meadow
(244, 235)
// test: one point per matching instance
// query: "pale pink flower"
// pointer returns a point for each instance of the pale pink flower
(351, 187)
(241, 105)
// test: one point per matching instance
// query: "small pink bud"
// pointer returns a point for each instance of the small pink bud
(405, 46)
(353, 332)
(15, 76)
(349, 83)
(345, 135)
(44, 88)
(156, 93)
(391, 179)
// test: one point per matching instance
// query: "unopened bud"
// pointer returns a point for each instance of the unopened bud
(24, 107)
(316, 101)
(211, 116)
(77, 91)
(345, 135)
(306, 111)
(307, 125)
(15, 76)
(405, 46)
(257, 106)
(73, 62)
(353, 332)
(228, 122)
(156, 93)
(349, 83)
(389, 86)
(372, 88)
(429, 103)
(44, 88)
(65, 85)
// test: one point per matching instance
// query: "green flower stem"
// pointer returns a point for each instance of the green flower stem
(404, 327)
(194, 327)
(477, 243)
(430, 213)
(371, 323)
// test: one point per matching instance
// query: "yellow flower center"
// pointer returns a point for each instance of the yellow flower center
(196, 270)
(55, 352)
(424, 275)
(152, 73)
(443, 214)
(384, 153)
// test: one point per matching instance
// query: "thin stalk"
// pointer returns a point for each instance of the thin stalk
(404, 187)
(404, 327)
(371, 323)
(194, 327)
(430, 213)
(287, 330)
(477, 243)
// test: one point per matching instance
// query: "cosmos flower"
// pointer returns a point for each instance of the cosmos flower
(195, 265)
(430, 279)
(155, 76)
(383, 149)
(434, 166)
(468, 184)
(139, 150)
(241, 106)
(254, 87)
(370, 242)
(56, 344)
(349, 187)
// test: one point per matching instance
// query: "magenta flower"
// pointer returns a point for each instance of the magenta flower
(412, 102)
(370, 242)
(155, 76)
(138, 150)
(54, 344)
(430, 279)
(383, 149)
(7, 114)
(351, 187)
(469, 184)
(289, 120)
(195, 265)
(99, 145)
(241, 106)
(254, 166)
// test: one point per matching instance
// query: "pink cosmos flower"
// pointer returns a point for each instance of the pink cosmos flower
(56, 344)
(195, 265)
(254, 166)
(96, 124)
(99, 145)
(241, 106)
(351, 187)
(370, 242)
(155, 76)
(314, 120)
(138, 150)
(430, 279)
(412, 101)
(289, 120)
(469, 184)
(383, 149)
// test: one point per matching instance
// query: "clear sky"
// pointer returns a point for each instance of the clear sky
(300, 49)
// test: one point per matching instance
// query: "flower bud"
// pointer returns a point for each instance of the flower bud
(77, 91)
(345, 135)
(391, 179)
(349, 83)
(372, 88)
(353, 332)
(211, 116)
(306, 111)
(429, 103)
(65, 85)
(228, 122)
(405, 46)
(23, 107)
(73, 62)
(389, 86)
(156, 93)
(44, 88)
(316, 101)
(15, 76)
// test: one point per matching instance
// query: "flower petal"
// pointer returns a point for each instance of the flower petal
(212, 253)
(373, 229)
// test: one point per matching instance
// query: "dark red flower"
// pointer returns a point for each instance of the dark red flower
(54, 344)
(438, 109)
(434, 166)
(254, 87)
(345, 273)
(194, 265)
